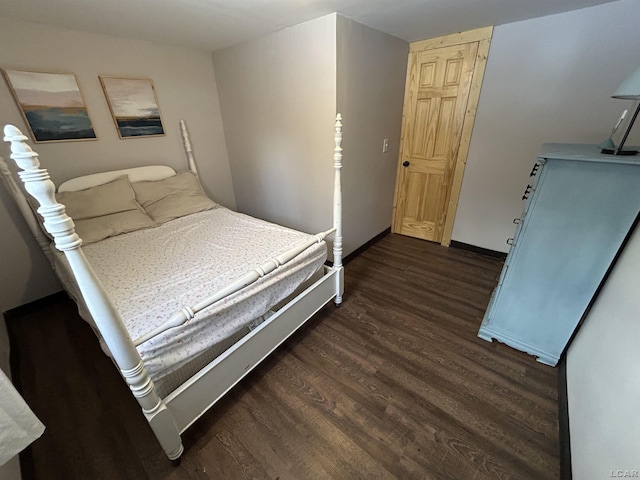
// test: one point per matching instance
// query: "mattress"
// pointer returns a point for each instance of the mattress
(150, 274)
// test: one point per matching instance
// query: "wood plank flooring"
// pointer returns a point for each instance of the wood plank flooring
(393, 384)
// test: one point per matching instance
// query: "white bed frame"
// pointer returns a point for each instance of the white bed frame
(173, 414)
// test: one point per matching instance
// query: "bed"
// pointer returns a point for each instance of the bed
(184, 295)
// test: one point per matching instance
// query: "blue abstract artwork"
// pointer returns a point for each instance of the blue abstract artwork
(134, 106)
(51, 104)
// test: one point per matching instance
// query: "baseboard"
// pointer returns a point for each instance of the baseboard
(563, 422)
(362, 248)
(480, 250)
(35, 305)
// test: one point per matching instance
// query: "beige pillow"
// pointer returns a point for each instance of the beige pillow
(173, 197)
(106, 210)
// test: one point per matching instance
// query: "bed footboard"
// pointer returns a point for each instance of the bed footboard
(203, 390)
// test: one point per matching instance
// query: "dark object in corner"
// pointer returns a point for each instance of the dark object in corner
(609, 151)
(480, 250)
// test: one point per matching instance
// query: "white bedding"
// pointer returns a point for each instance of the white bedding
(150, 274)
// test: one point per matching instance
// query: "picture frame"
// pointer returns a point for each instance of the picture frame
(134, 106)
(51, 104)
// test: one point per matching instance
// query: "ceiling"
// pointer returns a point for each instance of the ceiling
(215, 24)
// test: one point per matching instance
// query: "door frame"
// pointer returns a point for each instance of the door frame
(483, 37)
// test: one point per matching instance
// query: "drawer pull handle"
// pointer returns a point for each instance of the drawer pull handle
(517, 221)
(527, 191)
(534, 170)
(509, 241)
(406, 163)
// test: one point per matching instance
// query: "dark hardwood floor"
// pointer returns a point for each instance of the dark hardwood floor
(394, 384)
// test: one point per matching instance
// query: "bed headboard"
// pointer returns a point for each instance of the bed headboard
(137, 174)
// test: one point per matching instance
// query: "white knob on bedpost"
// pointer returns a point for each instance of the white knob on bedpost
(38, 184)
(26, 158)
(18, 196)
(337, 205)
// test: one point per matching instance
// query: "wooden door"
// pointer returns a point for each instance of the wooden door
(436, 128)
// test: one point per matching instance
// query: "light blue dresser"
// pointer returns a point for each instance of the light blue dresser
(580, 205)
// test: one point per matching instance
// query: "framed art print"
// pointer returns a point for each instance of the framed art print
(51, 104)
(133, 105)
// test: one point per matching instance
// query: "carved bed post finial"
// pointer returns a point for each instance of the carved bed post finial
(25, 209)
(337, 203)
(39, 185)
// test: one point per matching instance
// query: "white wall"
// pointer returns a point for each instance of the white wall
(547, 80)
(185, 86)
(370, 81)
(278, 100)
(279, 95)
(603, 377)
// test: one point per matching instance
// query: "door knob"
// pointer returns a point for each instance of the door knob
(405, 163)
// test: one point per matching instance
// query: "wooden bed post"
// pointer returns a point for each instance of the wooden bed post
(38, 184)
(25, 209)
(337, 210)
(187, 148)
